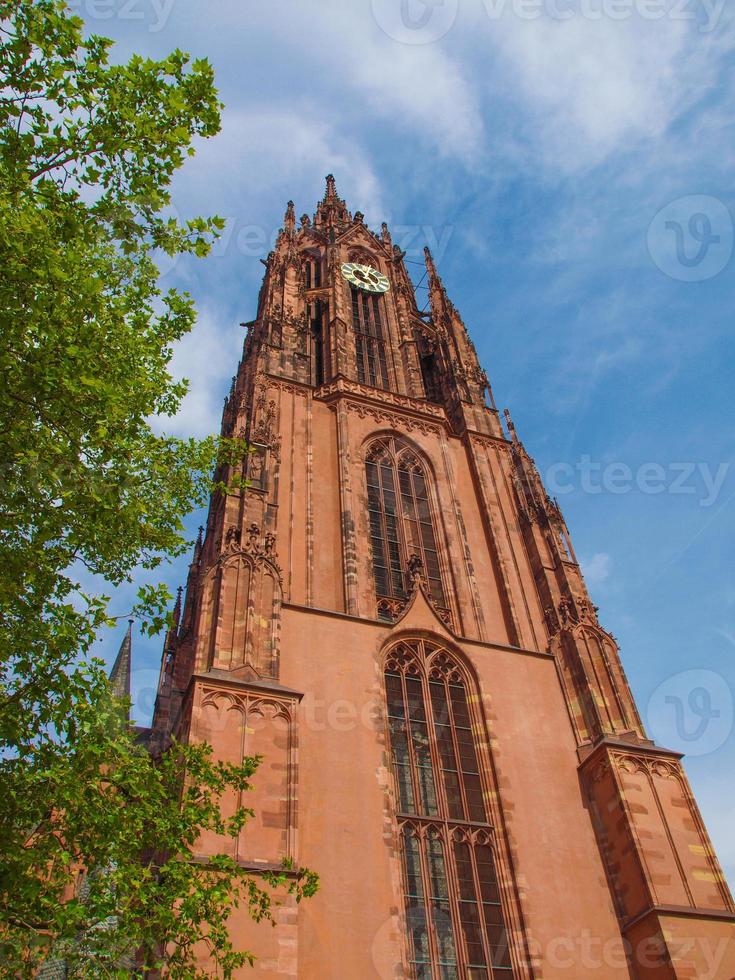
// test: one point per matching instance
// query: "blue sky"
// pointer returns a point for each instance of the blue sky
(573, 173)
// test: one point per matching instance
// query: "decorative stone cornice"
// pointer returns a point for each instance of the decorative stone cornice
(376, 402)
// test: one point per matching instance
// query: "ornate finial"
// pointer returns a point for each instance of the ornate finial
(385, 234)
(305, 221)
(177, 607)
(289, 221)
(331, 188)
(359, 218)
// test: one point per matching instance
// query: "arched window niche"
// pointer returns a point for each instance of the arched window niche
(401, 513)
(456, 922)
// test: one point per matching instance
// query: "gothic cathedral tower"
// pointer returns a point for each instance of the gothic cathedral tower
(392, 615)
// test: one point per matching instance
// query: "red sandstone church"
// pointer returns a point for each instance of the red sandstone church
(393, 616)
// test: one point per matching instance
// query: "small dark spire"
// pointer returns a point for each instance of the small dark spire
(122, 668)
(331, 192)
(177, 607)
(385, 234)
(199, 544)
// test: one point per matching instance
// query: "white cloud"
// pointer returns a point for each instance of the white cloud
(338, 54)
(597, 568)
(263, 156)
(207, 358)
(589, 88)
(425, 89)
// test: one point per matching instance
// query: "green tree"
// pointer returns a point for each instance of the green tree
(87, 153)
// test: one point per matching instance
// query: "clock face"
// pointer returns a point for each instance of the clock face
(365, 277)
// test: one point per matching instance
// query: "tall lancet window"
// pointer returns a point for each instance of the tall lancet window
(367, 322)
(454, 912)
(401, 524)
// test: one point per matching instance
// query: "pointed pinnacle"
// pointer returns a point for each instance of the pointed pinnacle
(331, 191)
(511, 427)
(289, 221)
(177, 607)
(430, 267)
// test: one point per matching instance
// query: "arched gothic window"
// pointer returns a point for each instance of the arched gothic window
(367, 322)
(454, 911)
(400, 524)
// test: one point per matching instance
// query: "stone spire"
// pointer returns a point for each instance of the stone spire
(289, 221)
(122, 668)
(332, 211)
(433, 275)
(331, 191)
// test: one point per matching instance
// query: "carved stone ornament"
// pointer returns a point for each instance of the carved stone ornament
(255, 545)
(416, 573)
(390, 609)
(232, 538)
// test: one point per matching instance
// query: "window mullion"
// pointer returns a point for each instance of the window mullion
(481, 910)
(441, 790)
(454, 904)
(401, 522)
(399, 528)
(384, 526)
(415, 780)
(455, 743)
(428, 902)
(419, 536)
